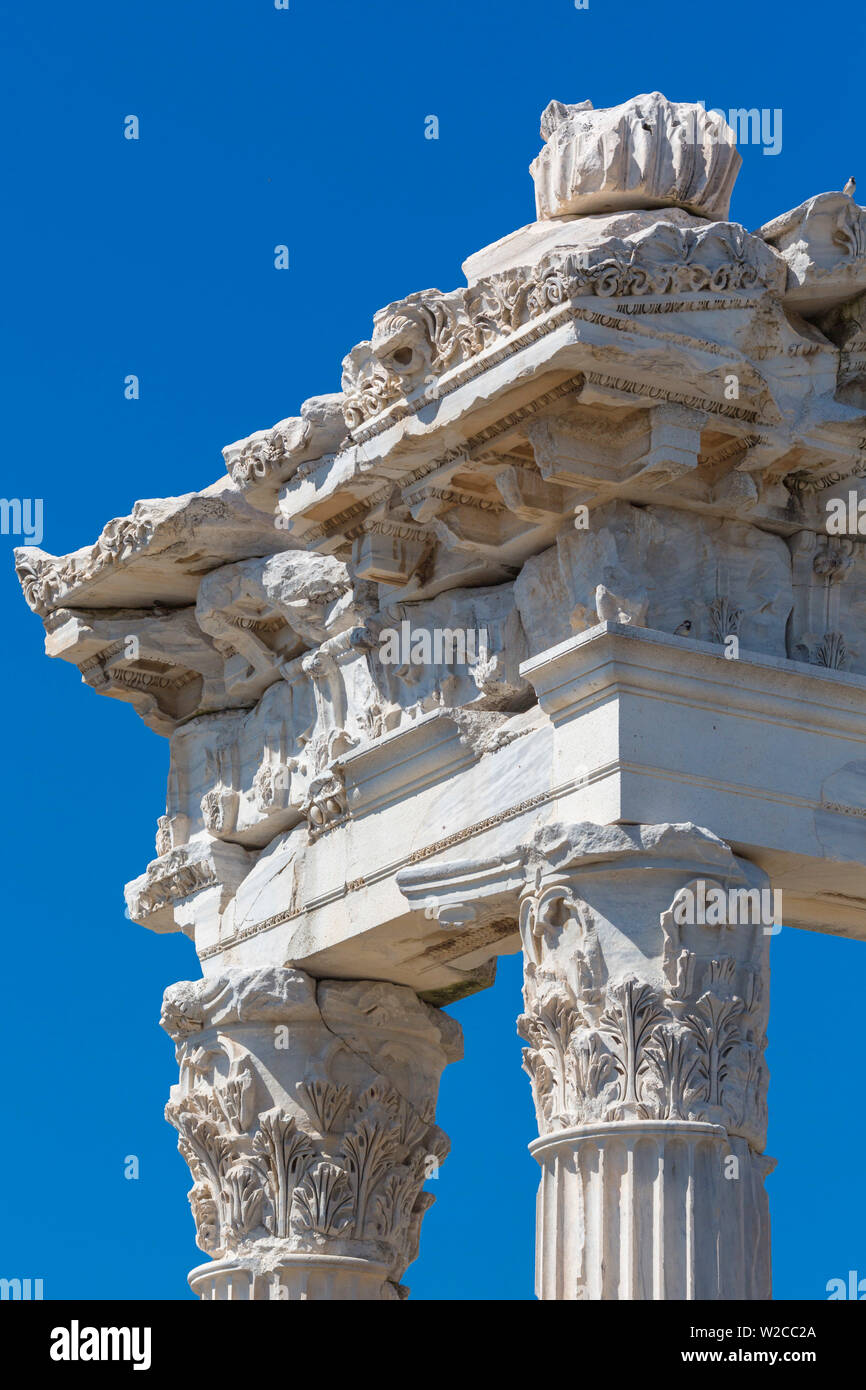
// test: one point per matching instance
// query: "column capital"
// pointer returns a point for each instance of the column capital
(645, 993)
(305, 1110)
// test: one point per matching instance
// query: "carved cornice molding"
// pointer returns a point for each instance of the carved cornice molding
(47, 579)
(420, 339)
(262, 462)
(178, 875)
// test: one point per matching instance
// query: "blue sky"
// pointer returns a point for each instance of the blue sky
(155, 257)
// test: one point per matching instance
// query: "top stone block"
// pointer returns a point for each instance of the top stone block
(647, 153)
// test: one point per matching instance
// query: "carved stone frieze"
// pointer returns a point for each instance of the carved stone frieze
(672, 571)
(829, 585)
(418, 339)
(261, 614)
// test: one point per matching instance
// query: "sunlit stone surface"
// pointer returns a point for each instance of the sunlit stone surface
(534, 636)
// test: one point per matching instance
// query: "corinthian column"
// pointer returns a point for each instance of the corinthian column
(646, 991)
(305, 1111)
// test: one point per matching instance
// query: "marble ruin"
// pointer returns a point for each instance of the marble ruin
(535, 635)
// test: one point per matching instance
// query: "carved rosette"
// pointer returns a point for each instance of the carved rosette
(645, 1019)
(305, 1111)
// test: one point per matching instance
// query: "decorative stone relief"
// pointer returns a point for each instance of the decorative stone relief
(190, 884)
(178, 530)
(829, 584)
(260, 464)
(263, 613)
(673, 571)
(824, 243)
(676, 1042)
(426, 335)
(648, 152)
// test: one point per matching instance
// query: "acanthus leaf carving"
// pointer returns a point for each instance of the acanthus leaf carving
(337, 1162)
(689, 1048)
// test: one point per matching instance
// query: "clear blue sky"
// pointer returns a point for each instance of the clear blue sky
(306, 127)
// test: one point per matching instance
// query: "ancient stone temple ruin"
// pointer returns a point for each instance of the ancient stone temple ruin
(544, 633)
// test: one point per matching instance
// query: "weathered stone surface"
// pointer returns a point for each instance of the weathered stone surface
(648, 152)
(155, 556)
(824, 243)
(261, 463)
(554, 610)
(305, 1112)
(660, 568)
